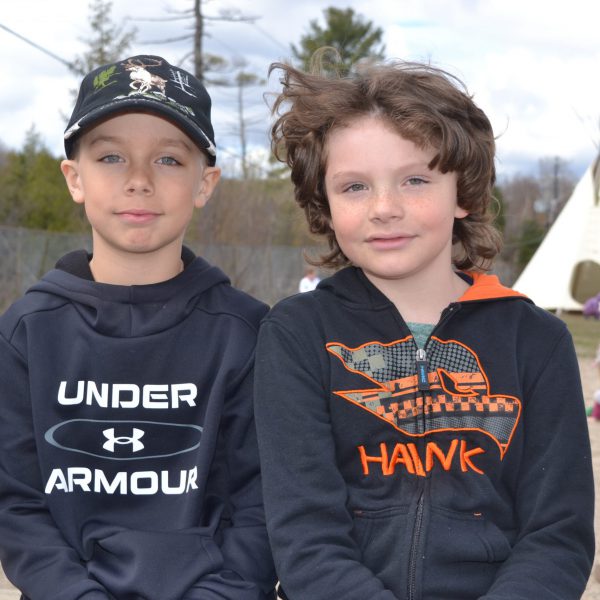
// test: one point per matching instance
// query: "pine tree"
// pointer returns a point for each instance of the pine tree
(107, 43)
(33, 192)
(353, 38)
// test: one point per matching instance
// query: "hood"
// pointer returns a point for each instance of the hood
(352, 287)
(487, 287)
(130, 311)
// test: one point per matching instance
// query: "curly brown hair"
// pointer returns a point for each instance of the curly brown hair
(425, 105)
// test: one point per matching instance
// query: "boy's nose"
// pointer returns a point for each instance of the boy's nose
(385, 204)
(139, 181)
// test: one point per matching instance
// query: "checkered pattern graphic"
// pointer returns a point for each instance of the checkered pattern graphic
(499, 428)
(378, 361)
(466, 404)
(495, 414)
(388, 363)
(451, 356)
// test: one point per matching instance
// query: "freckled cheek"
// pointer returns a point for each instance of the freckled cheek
(345, 223)
(349, 238)
(346, 211)
(432, 213)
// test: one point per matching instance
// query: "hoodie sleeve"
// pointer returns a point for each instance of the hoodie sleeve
(34, 554)
(247, 572)
(305, 494)
(554, 552)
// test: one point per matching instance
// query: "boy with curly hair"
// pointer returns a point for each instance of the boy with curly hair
(421, 427)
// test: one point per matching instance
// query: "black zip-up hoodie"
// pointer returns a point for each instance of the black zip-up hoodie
(128, 464)
(457, 473)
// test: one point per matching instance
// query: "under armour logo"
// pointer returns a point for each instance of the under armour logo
(134, 440)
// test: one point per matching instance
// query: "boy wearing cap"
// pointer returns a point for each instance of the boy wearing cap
(129, 467)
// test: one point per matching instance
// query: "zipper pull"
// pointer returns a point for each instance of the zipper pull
(422, 370)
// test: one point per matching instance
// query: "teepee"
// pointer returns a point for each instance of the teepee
(565, 270)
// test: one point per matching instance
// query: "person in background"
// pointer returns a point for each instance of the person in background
(591, 307)
(309, 281)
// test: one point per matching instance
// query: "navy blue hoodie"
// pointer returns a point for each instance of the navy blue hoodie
(129, 465)
(459, 473)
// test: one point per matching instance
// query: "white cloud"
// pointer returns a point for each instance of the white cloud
(532, 65)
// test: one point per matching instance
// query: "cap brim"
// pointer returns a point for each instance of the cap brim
(129, 104)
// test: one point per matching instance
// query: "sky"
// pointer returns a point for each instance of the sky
(532, 65)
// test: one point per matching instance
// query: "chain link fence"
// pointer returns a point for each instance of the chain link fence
(266, 272)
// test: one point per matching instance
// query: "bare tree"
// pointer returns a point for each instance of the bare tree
(242, 80)
(556, 183)
(203, 62)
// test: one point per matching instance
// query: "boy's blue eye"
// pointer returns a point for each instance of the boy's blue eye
(111, 158)
(416, 181)
(169, 161)
(355, 187)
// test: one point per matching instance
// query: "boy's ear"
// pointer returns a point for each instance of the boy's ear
(210, 178)
(460, 213)
(70, 170)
